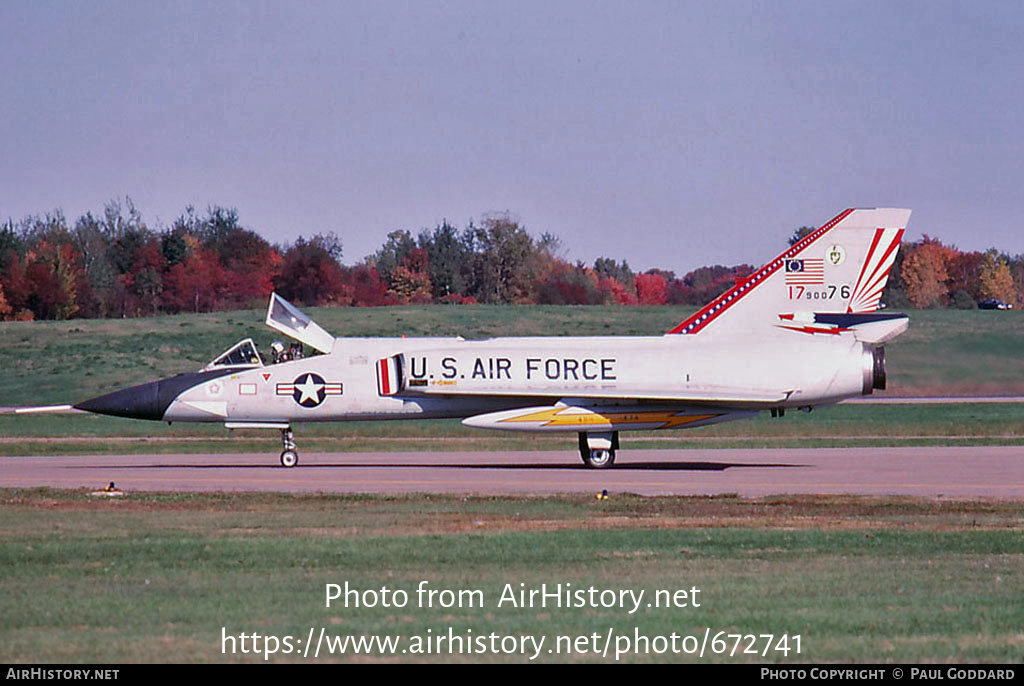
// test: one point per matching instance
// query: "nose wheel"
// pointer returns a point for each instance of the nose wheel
(289, 454)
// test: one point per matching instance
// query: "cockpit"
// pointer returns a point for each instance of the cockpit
(288, 319)
(244, 354)
(241, 354)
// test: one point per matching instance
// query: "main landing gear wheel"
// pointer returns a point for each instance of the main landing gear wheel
(599, 459)
(289, 455)
(598, 450)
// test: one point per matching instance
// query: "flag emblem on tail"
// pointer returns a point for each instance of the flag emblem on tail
(805, 272)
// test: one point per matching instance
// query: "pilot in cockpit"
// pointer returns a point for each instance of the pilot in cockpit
(278, 354)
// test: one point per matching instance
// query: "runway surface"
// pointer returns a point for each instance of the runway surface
(954, 472)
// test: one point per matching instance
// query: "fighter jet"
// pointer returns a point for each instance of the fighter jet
(803, 330)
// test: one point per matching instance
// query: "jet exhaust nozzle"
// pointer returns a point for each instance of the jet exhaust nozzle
(873, 369)
(878, 369)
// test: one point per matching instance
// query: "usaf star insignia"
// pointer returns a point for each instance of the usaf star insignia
(309, 390)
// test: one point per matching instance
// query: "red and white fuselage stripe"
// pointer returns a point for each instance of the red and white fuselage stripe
(384, 380)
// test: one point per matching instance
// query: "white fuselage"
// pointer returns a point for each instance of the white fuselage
(452, 377)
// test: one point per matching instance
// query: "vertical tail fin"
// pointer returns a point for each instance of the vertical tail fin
(841, 267)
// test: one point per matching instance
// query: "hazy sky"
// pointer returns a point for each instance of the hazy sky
(672, 134)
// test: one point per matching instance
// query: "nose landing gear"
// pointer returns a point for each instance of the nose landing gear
(289, 454)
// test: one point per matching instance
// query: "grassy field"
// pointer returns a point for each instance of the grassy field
(156, 577)
(944, 352)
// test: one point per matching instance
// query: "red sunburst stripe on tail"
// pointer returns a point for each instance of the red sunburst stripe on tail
(870, 285)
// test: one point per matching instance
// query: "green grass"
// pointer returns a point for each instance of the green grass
(155, 577)
(958, 352)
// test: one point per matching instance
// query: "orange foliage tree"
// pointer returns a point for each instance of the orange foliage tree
(994, 277)
(924, 273)
(651, 289)
(5, 308)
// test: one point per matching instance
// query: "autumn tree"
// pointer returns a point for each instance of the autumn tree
(570, 285)
(134, 253)
(146, 276)
(5, 307)
(174, 247)
(52, 273)
(253, 264)
(924, 274)
(502, 262)
(994, 277)
(100, 274)
(799, 234)
(366, 286)
(620, 271)
(394, 251)
(1017, 272)
(10, 239)
(125, 232)
(217, 229)
(962, 271)
(615, 292)
(198, 284)
(651, 289)
(311, 275)
(13, 281)
(706, 283)
(410, 280)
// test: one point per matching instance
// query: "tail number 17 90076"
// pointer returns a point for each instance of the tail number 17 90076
(820, 293)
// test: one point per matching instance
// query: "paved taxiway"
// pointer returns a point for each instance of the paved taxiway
(955, 472)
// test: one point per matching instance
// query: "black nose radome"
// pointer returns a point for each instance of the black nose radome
(137, 402)
(149, 400)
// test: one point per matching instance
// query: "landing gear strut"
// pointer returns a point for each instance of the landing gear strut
(597, 450)
(289, 454)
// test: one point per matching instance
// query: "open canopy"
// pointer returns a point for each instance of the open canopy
(292, 322)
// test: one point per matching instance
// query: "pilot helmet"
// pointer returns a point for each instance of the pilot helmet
(277, 347)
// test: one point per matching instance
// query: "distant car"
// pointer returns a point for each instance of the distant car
(994, 304)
